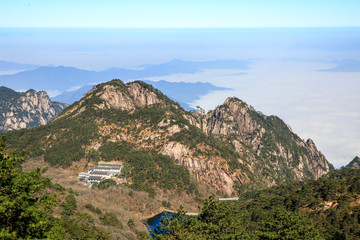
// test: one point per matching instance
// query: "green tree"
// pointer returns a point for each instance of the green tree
(110, 219)
(24, 210)
(106, 184)
(281, 224)
(69, 205)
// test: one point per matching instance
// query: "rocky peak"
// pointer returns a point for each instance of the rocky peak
(355, 163)
(230, 118)
(26, 110)
(118, 95)
(267, 140)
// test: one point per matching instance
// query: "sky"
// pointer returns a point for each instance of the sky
(178, 14)
(289, 43)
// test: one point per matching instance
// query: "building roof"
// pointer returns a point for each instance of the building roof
(229, 199)
(109, 165)
(99, 173)
(99, 178)
(106, 168)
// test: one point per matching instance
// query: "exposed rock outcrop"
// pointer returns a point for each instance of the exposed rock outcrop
(26, 110)
(265, 142)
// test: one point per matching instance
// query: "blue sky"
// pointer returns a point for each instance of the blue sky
(179, 14)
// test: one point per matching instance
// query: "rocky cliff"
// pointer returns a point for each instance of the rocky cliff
(232, 148)
(26, 110)
(265, 143)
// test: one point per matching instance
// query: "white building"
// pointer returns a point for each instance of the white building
(228, 199)
(95, 179)
(100, 172)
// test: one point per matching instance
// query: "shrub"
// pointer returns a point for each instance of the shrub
(93, 209)
(106, 184)
(69, 206)
(110, 219)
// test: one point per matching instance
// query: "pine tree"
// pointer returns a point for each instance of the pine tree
(24, 210)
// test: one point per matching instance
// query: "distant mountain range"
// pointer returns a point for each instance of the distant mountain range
(68, 84)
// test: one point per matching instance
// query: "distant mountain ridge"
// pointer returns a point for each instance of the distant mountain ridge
(232, 148)
(60, 81)
(64, 78)
(26, 109)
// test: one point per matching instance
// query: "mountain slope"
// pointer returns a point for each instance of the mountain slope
(60, 78)
(232, 148)
(49, 78)
(26, 110)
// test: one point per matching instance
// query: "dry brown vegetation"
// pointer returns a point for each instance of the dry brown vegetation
(125, 202)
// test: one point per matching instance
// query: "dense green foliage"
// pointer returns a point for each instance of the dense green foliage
(105, 184)
(64, 153)
(24, 210)
(110, 219)
(61, 141)
(79, 227)
(147, 169)
(327, 208)
(93, 209)
(69, 206)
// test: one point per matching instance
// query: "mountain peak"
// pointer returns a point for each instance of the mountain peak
(355, 163)
(116, 94)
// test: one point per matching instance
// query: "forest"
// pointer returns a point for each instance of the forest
(327, 208)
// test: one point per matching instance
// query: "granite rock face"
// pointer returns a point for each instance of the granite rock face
(273, 149)
(26, 110)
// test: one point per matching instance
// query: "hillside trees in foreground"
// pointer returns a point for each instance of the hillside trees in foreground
(328, 208)
(24, 211)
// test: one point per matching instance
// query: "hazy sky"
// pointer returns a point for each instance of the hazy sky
(179, 14)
